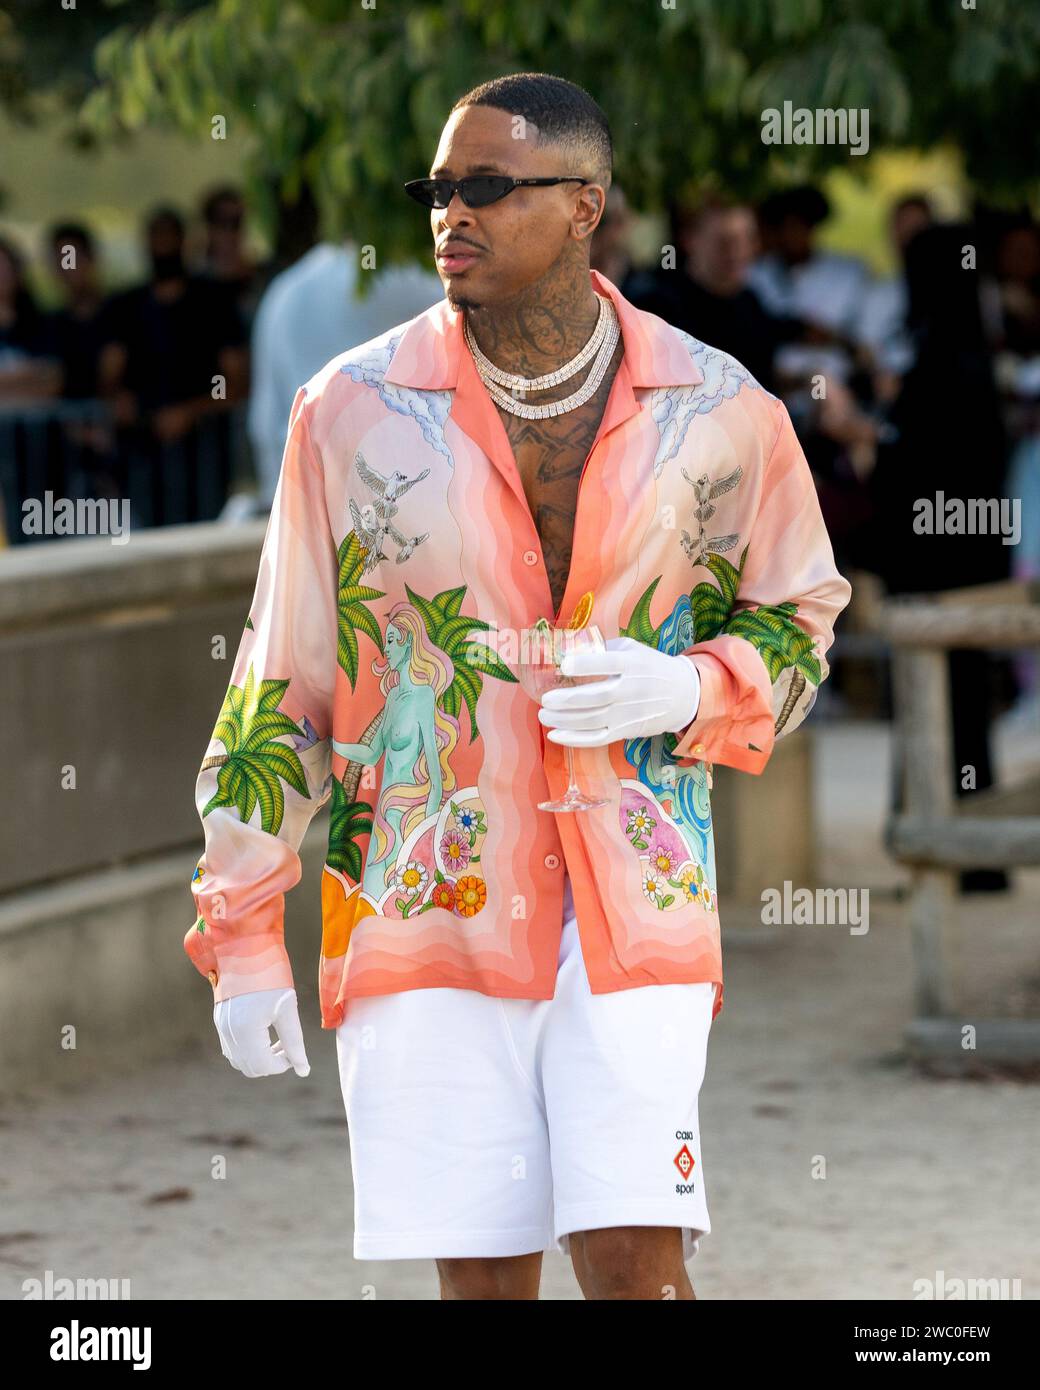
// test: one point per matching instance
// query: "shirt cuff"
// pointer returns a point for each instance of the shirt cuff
(240, 965)
(681, 730)
(734, 723)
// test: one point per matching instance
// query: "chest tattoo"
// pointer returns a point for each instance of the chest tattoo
(550, 455)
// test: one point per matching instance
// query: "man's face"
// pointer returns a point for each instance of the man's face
(487, 255)
(80, 269)
(225, 223)
(794, 239)
(164, 238)
(722, 247)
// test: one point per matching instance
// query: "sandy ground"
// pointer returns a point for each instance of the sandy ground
(805, 1072)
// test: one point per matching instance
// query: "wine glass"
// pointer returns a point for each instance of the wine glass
(542, 648)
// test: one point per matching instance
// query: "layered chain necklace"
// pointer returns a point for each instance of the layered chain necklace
(508, 390)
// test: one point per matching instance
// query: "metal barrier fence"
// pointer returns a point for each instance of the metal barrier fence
(72, 450)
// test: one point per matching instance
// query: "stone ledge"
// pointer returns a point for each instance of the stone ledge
(52, 580)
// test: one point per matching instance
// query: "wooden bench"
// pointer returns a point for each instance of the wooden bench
(937, 834)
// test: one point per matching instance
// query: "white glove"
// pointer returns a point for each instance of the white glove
(242, 1023)
(644, 692)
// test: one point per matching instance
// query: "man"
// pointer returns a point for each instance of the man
(522, 1000)
(796, 279)
(175, 364)
(707, 295)
(309, 313)
(78, 332)
(225, 261)
(77, 328)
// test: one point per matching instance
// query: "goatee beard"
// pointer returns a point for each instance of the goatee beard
(461, 301)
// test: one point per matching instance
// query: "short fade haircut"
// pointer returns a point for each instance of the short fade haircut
(563, 113)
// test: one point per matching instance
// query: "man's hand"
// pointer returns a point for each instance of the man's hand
(242, 1023)
(644, 692)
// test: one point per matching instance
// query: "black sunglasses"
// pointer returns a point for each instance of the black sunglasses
(476, 190)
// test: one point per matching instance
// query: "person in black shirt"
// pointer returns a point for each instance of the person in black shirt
(27, 372)
(175, 363)
(76, 335)
(707, 294)
(225, 262)
(77, 331)
(950, 440)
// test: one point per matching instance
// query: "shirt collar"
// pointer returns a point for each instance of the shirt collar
(429, 354)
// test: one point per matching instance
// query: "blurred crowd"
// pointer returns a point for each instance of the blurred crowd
(900, 386)
(922, 384)
(176, 391)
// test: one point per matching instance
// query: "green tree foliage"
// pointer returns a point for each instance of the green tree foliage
(348, 97)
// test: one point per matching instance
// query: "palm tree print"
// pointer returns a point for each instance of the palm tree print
(350, 818)
(348, 821)
(450, 631)
(351, 600)
(256, 763)
(712, 606)
(780, 642)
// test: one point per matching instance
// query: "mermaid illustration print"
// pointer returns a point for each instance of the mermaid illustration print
(415, 737)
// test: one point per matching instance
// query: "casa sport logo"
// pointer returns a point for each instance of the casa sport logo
(684, 1161)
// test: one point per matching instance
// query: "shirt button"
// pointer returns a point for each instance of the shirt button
(698, 747)
(552, 861)
(530, 557)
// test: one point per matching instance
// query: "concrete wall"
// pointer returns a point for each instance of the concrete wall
(108, 685)
(107, 675)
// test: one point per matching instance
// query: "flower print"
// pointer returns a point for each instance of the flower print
(687, 881)
(455, 849)
(661, 860)
(443, 895)
(706, 897)
(653, 885)
(470, 820)
(638, 827)
(470, 895)
(412, 878)
(656, 886)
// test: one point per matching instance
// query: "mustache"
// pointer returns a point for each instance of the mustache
(459, 241)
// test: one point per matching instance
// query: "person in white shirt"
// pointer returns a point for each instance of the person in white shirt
(309, 314)
(796, 280)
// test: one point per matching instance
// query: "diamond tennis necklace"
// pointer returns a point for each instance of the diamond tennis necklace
(542, 383)
(601, 346)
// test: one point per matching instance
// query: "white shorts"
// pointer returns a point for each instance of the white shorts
(487, 1127)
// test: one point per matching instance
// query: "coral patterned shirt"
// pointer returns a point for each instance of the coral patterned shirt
(400, 562)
